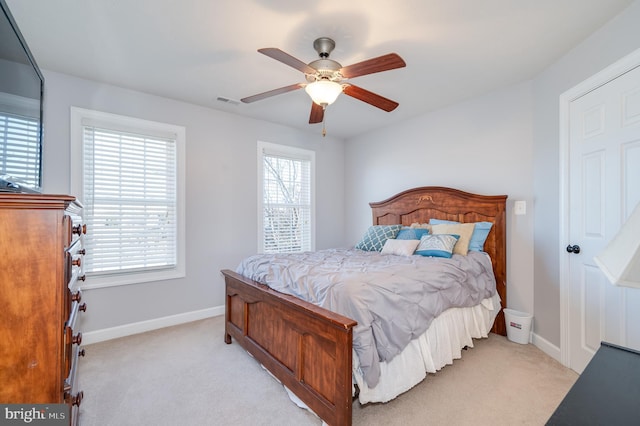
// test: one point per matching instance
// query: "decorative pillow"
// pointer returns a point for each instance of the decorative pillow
(440, 245)
(464, 230)
(411, 233)
(376, 236)
(479, 236)
(400, 247)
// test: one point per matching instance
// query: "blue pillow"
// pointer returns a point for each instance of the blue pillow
(479, 236)
(376, 236)
(440, 245)
(411, 233)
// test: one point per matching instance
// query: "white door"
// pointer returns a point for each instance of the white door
(603, 188)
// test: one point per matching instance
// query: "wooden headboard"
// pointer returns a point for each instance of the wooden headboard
(421, 204)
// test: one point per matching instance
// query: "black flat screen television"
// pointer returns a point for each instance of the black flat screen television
(21, 102)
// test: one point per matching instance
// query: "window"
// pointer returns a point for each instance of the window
(286, 199)
(20, 139)
(131, 188)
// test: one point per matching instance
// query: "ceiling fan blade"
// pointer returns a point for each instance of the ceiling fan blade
(317, 113)
(369, 97)
(287, 59)
(381, 63)
(270, 93)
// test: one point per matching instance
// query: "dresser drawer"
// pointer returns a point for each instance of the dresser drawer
(77, 306)
(73, 351)
(72, 337)
(74, 226)
(74, 264)
(72, 396)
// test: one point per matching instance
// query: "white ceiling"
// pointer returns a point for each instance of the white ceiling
(199, 50)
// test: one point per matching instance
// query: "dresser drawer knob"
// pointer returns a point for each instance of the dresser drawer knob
(77, 399)
(77, 339)
(82, 251)
(79, 229)
(83, 307)
(76, 262)
(82, 277)
(76, 297)
(81, 352)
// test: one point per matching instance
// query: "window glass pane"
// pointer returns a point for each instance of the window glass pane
(286, 204)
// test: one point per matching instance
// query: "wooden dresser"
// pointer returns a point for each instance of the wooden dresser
(40, 272)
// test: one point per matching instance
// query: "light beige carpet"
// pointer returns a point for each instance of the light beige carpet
(187, 375)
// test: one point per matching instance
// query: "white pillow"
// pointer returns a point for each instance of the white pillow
(400, 247)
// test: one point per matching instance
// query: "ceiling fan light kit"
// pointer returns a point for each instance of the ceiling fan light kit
(325, 78)
(323, 92)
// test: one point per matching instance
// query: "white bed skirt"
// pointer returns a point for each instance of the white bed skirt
(443, 342)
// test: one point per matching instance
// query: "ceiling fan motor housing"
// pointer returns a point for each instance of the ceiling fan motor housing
(327, 69)
(324, 46)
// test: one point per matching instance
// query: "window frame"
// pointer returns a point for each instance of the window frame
(296, 154)
(81, 117)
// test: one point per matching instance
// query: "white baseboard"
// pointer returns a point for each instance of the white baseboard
(154, 324)
(157, 323)
(547, 347)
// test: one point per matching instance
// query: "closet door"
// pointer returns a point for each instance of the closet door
(604, 187)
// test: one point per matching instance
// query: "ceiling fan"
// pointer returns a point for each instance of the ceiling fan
(326, 78)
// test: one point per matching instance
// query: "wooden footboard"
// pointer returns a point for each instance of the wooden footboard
(307, 348)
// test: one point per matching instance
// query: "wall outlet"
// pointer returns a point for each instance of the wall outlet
(520, 208)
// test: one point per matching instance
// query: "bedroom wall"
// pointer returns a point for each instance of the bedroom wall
(221, 193)
(613, 41)
(483, 146)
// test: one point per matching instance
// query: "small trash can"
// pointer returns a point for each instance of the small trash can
(518, 325)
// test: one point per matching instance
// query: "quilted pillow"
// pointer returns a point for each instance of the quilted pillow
(479, 236)
(376, 236)
(411, 233)
(464, 230)
(437, 245)
(400, 247)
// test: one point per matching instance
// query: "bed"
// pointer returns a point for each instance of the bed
(309, 349)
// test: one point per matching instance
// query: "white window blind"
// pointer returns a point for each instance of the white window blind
(287, 207)
(20, 148)
(129, 189)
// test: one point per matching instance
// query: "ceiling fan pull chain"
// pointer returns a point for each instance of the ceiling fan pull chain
(324, 115)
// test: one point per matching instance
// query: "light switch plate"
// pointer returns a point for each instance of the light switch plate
(520, 208)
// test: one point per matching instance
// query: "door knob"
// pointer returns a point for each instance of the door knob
(573, 249)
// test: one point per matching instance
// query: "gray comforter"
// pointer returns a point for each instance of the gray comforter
(393, 298)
